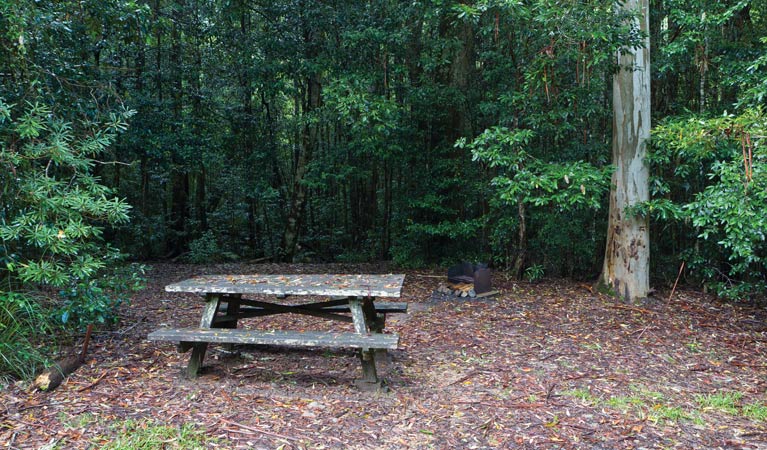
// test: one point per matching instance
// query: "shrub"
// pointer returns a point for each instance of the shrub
(23, 323)
(96, 300)
(54, 208)
(718, 168)
(52, 217)
(205, 249)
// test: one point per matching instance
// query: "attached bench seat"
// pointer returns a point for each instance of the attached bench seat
(291, 338)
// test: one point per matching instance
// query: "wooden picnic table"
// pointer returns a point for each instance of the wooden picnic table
(347, 298)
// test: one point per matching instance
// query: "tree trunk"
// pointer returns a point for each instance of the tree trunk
(178, 213)
(519, 260)
(179, 172)
(158, 53)
(306, 150)
(200, 201)
(460, 78)
(198, 117)
(307, 141)
(626, 263)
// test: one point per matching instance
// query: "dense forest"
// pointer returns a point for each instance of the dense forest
(418, 132)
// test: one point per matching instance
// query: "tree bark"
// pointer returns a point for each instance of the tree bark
(158, 53)
(306, 150)
(307, 140)
(519, 260)
(178, 241)
(198, 117)
(626, 265)
(460, 78)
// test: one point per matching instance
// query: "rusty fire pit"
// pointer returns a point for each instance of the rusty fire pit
(468, 280)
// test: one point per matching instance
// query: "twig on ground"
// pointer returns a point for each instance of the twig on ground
(550, 390)
(740, 364)
(580, 427)
(463, 378)
(257, 430)
(642, 333)
(31, 407)
(544, 358)
(125, 331)
(631, 308)
(84, 388)
(525, 405)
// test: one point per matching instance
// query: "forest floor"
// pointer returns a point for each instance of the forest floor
(547, 365)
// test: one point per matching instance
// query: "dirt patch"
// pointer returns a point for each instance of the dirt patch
(550, 365)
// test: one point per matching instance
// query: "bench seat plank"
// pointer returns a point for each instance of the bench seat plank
(291, 338)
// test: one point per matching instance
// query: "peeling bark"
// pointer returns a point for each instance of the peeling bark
(627, 254)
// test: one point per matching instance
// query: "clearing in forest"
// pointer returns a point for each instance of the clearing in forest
(547, 365)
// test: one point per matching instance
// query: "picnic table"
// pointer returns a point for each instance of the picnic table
(347, 298)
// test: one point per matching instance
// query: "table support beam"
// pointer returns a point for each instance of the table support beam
(363, 315)
(267, 309)
(199, 348)
(233, 308)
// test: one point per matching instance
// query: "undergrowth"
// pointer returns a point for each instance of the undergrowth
(23, 327)
(655, 407)
(147, 434)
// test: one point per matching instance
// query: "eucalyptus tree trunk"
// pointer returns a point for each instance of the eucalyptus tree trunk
(627, 255)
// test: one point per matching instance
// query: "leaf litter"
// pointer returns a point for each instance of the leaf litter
(547, 365)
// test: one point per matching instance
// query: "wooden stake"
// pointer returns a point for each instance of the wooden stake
(681, 269)
(86, 341)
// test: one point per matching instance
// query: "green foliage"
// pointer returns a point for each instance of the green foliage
(710, 181)
(96, 300)
(406, 255)
(583, 394)
(59, 122)
(549, 188)
(662, 413)
(54, 209)
(755, 411)
(754, 84)
(523, 177)
(205, 249)
(534, 273)
(244, 104)
(721, 401)
(146, 434)
(23, 325)
(52, 219)
(709, 46)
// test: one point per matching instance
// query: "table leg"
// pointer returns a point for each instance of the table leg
(199, 348)
(232, 309)
(364, 315)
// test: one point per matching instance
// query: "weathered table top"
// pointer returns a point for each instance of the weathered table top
(304, 284)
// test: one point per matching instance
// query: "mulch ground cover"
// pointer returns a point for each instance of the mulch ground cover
(546, 365)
